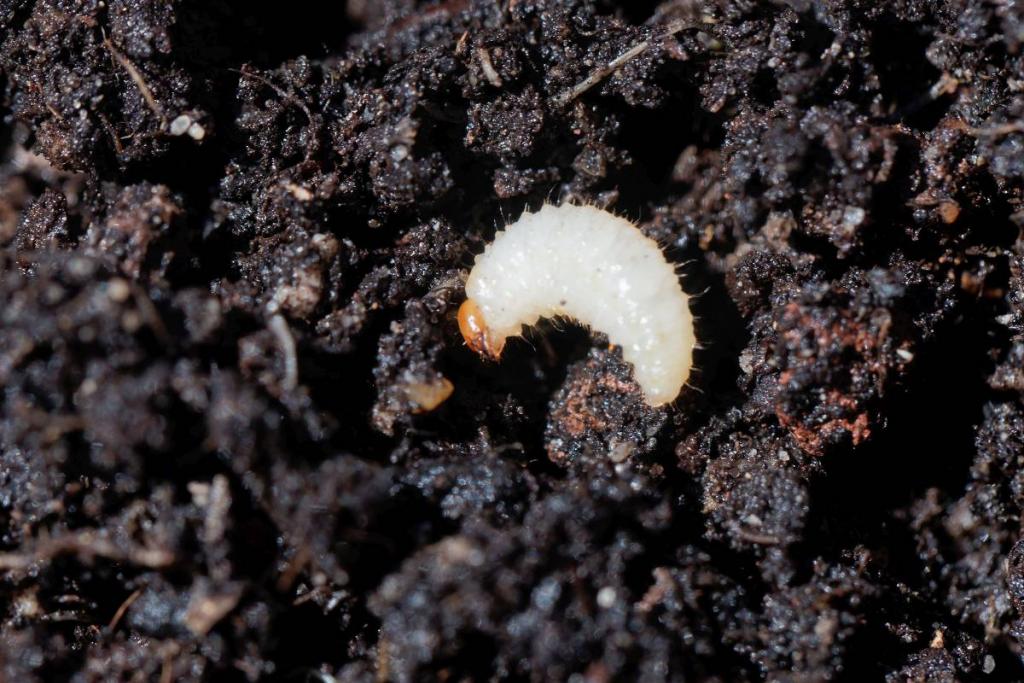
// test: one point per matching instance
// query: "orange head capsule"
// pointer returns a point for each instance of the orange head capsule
(474, 331)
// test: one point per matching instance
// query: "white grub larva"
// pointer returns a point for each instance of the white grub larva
(590, 265)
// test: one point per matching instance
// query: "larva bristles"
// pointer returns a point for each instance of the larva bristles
(691, 385)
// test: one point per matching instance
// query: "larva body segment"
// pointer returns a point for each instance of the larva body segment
(595, 267)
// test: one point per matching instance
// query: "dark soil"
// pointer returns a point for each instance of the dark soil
(233, 238)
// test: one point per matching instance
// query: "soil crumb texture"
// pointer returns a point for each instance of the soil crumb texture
(242, 440)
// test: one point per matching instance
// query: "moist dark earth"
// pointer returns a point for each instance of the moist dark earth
(241, 438)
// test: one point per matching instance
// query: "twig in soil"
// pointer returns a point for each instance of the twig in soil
(167, 668)
(383, 660)
(758, 538)
(998, 131)
(56, 114)
(150, 314)
(118, 147)
(288, 576)
(86, 545)
(314, 127)
(289, 97)
(206, 609)
(279, 326)
(603, 72)
(119, 614)
(218, 504)
(125, 63)
(488, 67)
(657, 592)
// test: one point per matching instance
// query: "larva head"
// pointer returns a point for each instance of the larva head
(474, 330)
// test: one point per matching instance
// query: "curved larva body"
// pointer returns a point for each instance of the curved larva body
(590, 265)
